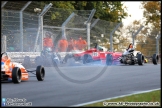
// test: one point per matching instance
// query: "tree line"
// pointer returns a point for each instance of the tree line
(109, 11)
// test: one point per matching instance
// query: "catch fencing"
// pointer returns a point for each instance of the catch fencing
(23, 29)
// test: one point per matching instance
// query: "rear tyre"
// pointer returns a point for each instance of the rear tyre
(40, 73)
(16, 75)
(155, 59)
(87, 58)
(140, 59)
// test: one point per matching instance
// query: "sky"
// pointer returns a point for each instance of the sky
(133, 9)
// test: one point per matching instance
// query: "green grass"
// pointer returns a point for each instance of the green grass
(154, 96)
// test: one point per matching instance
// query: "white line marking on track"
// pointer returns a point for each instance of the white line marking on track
(115, 97)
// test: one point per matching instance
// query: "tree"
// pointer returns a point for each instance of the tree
(145, 40)
(122, 35)
(105, 10)
(152, 13)
(60, 11)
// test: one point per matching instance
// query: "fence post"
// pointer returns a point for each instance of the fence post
(40, 25)
(4, 43)
(89, 27)
(133, 36)
(21, 24)
(157, 43)
(64, 24)
(42, 33)
(3, 4)
(4, 38)
(94, 23)
(91, 15)
(88, 35)
(111, 37)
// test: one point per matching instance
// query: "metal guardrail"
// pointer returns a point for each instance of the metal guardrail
(19, 56)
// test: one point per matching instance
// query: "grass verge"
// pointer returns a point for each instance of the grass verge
(144, 99)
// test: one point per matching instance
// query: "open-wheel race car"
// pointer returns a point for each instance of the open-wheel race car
(96, 54)
(16, 72)
(132, 57)
(46, 58)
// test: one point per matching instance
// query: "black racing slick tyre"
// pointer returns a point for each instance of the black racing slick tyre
(140, 59)
(16, 75)
(87, 58)
(155, 59)
(109, 59)
(40, 73)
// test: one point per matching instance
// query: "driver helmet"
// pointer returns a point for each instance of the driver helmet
(4, 58)
(48, 49)
(130, 45)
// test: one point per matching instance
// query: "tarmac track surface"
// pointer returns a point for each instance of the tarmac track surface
(56, 90)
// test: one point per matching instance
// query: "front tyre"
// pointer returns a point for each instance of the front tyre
(87, 58)
(16, 75)
(140, 59)
(40, 73)
(155, 59)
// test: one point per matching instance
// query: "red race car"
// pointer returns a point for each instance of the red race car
(15, 72)
(96, 54)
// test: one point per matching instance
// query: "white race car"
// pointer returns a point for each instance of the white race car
(132, 57)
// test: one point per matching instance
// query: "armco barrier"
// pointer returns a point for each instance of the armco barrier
(19, 56)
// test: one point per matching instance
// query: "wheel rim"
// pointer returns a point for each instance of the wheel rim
(19, 77)
(42, 75)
